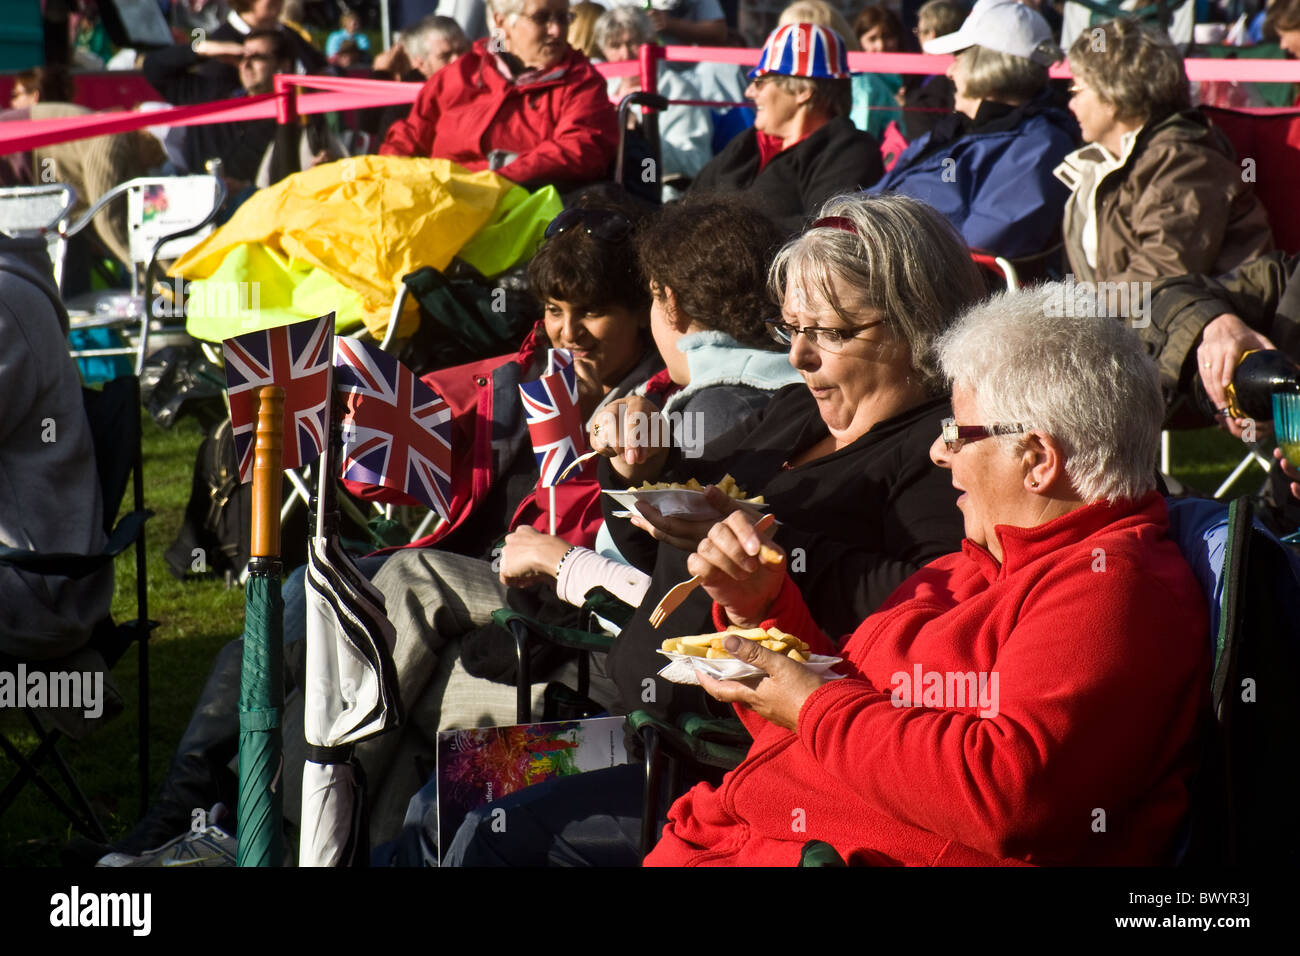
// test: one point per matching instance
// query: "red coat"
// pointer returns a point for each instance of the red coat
(560, 123)
(1102, 668)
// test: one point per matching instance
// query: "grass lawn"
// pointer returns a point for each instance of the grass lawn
(198, 617)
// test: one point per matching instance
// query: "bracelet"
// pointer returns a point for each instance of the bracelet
(564, 558)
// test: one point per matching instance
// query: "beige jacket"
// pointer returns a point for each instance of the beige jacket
(94, 166)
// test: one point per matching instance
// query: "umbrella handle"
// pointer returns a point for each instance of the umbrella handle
(268, 475)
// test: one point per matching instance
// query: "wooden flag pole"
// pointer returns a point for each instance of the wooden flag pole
(268, 476)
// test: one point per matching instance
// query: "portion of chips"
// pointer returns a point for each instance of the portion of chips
(727, 484)
(710, 645)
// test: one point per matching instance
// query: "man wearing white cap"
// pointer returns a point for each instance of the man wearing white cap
(803, 148)
(988, 166)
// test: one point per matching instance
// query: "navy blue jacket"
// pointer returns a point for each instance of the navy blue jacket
(992, 176)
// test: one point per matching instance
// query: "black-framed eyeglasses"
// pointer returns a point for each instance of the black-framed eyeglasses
(602, 224)
(828, 340)
(955, 436)
(561, 18)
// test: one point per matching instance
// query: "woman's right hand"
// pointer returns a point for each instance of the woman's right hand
(740, 568)
(624, 431)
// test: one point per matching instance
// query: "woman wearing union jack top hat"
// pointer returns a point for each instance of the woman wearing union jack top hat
(802, 149)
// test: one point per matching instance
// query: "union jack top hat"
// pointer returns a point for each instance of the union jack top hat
(803, 49)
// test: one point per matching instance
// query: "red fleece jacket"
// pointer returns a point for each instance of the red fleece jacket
(560, 123)
(1097, 633)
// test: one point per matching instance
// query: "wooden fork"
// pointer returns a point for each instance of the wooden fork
(680, 592)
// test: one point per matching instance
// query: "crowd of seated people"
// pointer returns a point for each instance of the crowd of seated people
(943, 464)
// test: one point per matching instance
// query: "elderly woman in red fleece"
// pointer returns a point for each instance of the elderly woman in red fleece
(1033, 698)
(522, 102)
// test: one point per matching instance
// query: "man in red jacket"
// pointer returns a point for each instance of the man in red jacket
(521, 102)
(1034, 698)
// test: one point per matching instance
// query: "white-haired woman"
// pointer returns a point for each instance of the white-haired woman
(685, 132)
(1007, 699)
(521, 102)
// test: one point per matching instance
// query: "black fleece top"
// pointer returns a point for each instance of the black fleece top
(837, 158)
(855, 524)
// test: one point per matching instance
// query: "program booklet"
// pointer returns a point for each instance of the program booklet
(484, 764)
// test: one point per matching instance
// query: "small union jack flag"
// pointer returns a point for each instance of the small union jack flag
(295, 357)
(554, 419)
(397, 430)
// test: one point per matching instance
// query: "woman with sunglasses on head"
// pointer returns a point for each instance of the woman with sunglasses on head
(704, 262)
(521, 102)
(842, 460)
(1035, 697)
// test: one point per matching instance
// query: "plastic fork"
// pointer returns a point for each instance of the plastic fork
(678, 593)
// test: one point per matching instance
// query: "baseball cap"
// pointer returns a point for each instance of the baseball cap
(804, 49)
(1002, 25)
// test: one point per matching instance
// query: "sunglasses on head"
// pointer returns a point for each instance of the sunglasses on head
(602, 224)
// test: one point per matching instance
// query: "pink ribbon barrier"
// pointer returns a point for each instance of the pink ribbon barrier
(348, 93)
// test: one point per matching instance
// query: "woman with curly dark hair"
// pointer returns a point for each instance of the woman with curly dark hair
(706, 263)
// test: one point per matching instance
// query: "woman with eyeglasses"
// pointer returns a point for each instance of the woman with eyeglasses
(521, 102)
(1033, 698)
(842, 460)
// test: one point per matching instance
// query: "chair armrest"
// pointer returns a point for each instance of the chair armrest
(603, 604)
(563, 636)
(78, 565)
(691, 744)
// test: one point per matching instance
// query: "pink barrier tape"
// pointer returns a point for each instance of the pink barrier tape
(31, 134)
(621, 68)
(1198, 70)
(347, 93)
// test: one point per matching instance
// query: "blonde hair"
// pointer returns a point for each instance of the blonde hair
(1135, 69)
(823, 15)
(582, 29)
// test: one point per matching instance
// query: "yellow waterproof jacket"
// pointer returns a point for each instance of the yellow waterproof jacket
(340, 237)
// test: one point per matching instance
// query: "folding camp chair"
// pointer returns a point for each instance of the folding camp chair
(39, 211)
(704, 745)
(114, 415)
(1242, 809)
(997, 269)
(1270, 142)
(166, 216)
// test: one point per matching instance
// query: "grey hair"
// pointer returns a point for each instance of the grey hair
(905, 260)
(1003, 77)
(416, 37)
(505, 8)
(614, 23)
(829, 97)
(1134, 68)
(1085, 380)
